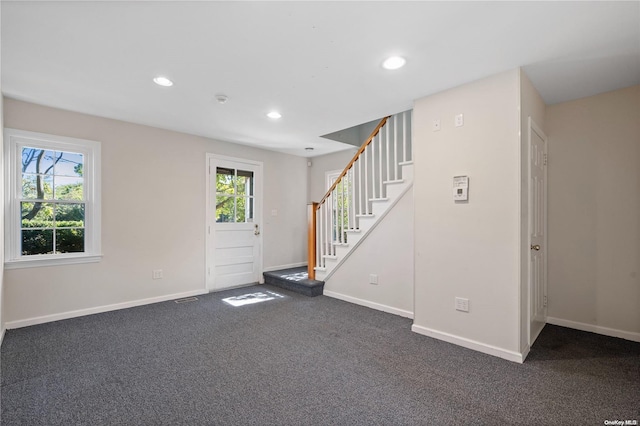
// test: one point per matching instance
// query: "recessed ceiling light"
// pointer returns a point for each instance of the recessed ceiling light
(394, 62)
(222, 99)
(274, 114)
(163, 81)
(309, 148)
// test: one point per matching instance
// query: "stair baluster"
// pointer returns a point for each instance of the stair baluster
(335, 226)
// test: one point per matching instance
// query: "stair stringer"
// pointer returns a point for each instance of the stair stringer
(320, 274)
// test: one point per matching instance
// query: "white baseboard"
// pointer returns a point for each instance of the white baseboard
(291, 265)
(2, 335)
(369, 304)
(612, 332)
(99, 309)
(470, 344)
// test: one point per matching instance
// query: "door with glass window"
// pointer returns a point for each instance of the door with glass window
(234, 255)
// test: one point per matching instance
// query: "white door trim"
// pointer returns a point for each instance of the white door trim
(534, 128)
(209, 229)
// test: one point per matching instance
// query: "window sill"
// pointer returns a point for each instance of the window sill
(52, 261)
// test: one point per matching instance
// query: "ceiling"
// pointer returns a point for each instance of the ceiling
(318, 63)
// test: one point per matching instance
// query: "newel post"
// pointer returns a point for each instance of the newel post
(311, 239)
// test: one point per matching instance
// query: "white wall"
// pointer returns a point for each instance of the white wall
(471, 249)
(153, 216)
(531, 105)
(594, 213)
(387, 251)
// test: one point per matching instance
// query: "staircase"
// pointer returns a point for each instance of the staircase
(294, 279)
(375, 179)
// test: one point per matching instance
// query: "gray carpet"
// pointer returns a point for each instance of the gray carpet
(300, 361)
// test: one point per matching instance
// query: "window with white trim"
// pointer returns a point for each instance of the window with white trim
(52, 210)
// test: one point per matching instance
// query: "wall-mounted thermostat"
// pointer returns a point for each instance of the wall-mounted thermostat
(460, 188)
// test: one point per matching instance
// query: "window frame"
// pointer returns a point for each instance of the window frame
(15, 140)
(248, 196)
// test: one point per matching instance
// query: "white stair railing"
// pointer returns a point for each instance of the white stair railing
(363, 181)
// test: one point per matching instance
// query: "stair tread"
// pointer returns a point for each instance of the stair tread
(391, 182)
(296, 280)
(378, 199)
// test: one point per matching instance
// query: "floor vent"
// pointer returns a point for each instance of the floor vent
(186, 299)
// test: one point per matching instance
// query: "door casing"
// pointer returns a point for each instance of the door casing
(210, 216)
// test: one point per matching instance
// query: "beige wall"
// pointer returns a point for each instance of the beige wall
(153, 215)
(387, 252)
(2, 319)
(531, 105)
(321, 165)
(1, 212)
(594, 213)
(469, 249)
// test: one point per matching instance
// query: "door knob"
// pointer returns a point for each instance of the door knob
(535, 247)
(257, 231)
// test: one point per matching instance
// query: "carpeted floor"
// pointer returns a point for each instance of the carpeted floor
(300, 361)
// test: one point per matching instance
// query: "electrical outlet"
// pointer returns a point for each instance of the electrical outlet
(462, 304)
(156, 274)
(373, 279)
(459, 120)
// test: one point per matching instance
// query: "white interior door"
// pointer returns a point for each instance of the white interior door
(537, 230)
(234, 241)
